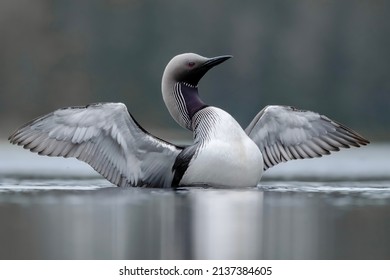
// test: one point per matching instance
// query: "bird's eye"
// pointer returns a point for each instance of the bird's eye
(191, 64)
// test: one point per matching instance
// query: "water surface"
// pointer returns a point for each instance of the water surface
(336, 207)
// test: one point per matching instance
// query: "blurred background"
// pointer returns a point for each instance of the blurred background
(327, 56)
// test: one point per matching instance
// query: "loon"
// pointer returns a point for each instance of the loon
(223, 154)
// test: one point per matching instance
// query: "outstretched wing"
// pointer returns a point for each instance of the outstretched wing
(285, 133)
(106, 137)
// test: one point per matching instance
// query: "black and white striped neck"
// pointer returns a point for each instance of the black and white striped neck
(188, 101)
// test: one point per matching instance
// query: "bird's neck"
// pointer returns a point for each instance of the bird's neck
(183, 101)
(191, 98)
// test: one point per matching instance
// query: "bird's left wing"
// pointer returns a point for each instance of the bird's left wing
(285, 133)
(106, 137)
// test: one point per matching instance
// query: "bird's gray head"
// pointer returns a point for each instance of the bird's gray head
(180, 85)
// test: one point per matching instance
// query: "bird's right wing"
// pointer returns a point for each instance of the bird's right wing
(285, 133)
(106, 137)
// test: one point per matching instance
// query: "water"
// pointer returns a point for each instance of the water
(336, 207)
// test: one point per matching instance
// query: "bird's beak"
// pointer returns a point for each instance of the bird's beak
(214, 61)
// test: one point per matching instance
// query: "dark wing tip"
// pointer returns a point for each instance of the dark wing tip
(353, 138)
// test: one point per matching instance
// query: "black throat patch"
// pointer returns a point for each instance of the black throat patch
(192, 99)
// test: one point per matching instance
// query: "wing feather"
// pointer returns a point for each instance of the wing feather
(285, 133)
(285, 156)
(106, 137)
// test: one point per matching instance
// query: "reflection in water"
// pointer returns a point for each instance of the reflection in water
(265, 223)
(227, 224)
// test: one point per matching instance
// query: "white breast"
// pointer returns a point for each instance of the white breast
(227, 156)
